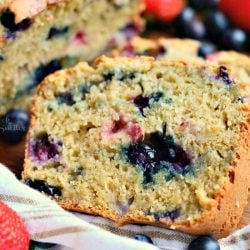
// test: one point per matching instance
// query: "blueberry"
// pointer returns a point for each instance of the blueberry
(157, 96)
(216, 23)
(235, 39)
(169, 152)
(108, 76)
(44, 187)
(24, 24)
(144, 156)
(204, 243)
(157, 152)
(40, 245)
(171, 215)
(57, 32)
(184, 17)
(66, 98)
(178, 157)
(45, 69)
(142, 237)
(141, 154)
(194, 29)
(224, 76)
(44, 149)
(14, 125)
(141, 102)
(144, 101)
(1, 58)
(8, 21)
(188, 25)
(206, 48)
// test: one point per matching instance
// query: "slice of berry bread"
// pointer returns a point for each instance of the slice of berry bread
(143, 141)
(173, 48)
(40, 37)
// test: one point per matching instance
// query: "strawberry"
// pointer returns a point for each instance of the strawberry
(13, 232)
(237, 11)
(164, 10)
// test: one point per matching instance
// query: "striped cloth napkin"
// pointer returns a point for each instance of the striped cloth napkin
(47, 222)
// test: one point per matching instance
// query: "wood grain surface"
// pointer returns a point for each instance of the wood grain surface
(12, 156)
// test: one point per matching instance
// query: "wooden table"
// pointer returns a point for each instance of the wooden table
(12, 156)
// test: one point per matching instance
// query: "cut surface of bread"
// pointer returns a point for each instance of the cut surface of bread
(143, 141)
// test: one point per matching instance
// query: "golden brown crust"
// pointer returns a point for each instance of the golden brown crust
(223, 216)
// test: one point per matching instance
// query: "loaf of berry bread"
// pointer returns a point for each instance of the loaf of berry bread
(143, 141)
(40, 37)
(173, 48)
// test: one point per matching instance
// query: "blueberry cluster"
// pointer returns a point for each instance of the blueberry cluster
(203, 21)
(158, 152)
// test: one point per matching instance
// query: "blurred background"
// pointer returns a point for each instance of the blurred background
(218, 24)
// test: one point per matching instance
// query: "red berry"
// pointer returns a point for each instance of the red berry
(237, 11)
(13, 232)
(165, 10)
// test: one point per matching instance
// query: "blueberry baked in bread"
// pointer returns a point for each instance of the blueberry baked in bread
(139, 140)
(172, 48)
(40, 37)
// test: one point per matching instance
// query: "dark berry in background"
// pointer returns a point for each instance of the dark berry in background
(216, 23)
(224, 23)
(204, 243)
(14, 125)
(234, 39)
(206, 48)
(188, 25)
(187, 15)
(195, 29)
(142, 237)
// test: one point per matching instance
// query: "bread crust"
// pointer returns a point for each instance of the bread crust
(224, 214)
